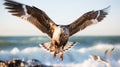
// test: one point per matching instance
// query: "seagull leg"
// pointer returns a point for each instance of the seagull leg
(55, 52)
(61, 55)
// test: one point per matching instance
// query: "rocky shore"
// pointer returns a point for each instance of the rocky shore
(22, 63)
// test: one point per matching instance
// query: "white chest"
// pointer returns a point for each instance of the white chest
(56, 34)
(60, 32)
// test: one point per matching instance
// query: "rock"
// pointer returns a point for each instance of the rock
(20, 63)
(16, 63)
(3, 64)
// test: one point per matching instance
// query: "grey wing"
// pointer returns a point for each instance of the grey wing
(108, 55)
(106, 52)
(32, 14)
(87, 19)
(111, 51)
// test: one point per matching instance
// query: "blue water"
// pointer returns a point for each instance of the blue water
(31, 41)
(27, 47)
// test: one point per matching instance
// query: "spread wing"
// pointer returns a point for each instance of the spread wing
(87, 19)
(106, 52)
(109, 53)
(32, 14)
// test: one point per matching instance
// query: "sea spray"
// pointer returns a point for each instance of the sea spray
(26, 48)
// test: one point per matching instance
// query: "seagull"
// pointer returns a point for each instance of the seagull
(104, 59)
(59, 34)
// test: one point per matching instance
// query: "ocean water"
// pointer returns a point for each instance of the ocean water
(27, 47)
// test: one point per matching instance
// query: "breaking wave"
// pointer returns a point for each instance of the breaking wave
(74, 57)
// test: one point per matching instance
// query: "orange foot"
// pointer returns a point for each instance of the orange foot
(55, 54)
(61, 56)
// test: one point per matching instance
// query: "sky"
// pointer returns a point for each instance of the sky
(63, 12)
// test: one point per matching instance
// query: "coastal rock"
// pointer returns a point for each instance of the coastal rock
(3, 64)
(20, 63)
(15, 63)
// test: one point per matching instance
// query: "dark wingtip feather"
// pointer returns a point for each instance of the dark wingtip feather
(103, 13)
(16, 14)
(11, 3)
(106, 52)
(113, 49)
(9, 8)
(107, 9)
(14, 8)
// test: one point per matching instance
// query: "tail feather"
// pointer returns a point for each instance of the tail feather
(47, 46)
(69, 45)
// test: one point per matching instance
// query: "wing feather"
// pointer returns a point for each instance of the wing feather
(32, 14)
(87, 19)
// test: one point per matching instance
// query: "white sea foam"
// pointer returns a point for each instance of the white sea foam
(15, 51)
(73, 58)
(91, 63)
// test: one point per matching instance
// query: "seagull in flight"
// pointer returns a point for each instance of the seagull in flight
(59, 34)
(105, 59)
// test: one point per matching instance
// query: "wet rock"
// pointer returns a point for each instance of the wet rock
(15, 63)
(3, 64)
(20, 63)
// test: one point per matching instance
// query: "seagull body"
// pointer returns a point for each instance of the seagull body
(105, 58)
(59, 34)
